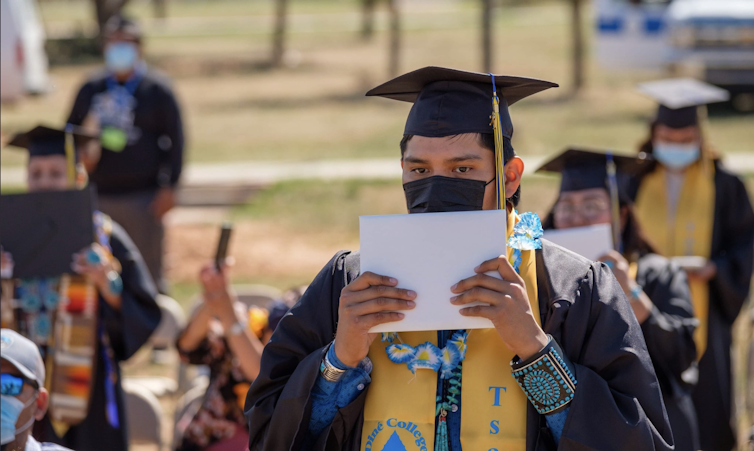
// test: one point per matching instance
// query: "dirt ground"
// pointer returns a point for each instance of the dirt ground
(261, 251)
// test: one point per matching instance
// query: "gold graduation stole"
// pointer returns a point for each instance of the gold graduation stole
(691, 232)
(400, 406)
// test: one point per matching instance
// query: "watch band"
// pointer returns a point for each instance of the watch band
(636, 292)
(114, 283)
(329, 371)
(237, 328)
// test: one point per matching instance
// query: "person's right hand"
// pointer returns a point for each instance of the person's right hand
(366, 302)
(216, 294)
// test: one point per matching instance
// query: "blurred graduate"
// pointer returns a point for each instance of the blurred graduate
(691, 206)
(592, 182)
(87, 320)
(565, 367)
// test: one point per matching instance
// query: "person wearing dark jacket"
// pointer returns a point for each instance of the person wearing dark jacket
(697, 212)
(656, 288)
(85, 322)
(565, 366)
(142, 140)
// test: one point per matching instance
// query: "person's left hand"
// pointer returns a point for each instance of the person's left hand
(163, 202)
(508, 308)
(94, 261)
(620, 267)
(703, 274)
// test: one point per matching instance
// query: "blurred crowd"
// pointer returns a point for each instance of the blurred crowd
(64, 336)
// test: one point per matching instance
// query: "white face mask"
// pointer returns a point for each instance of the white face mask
(11, 409)
(121, 57)
(675, 156)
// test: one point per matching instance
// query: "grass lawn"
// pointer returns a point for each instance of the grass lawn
(236, 109)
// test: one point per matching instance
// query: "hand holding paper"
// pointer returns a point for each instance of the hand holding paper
(368, 301)
(506, 305)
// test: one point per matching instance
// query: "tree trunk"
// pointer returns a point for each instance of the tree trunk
(160, 8)
(395, 38)
(105, 9)
(487, 35)
(578, 46)
(367, 19)
(278, 34)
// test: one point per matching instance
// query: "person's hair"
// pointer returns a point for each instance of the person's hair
(635, 241)
(486, 140)
(122, 24)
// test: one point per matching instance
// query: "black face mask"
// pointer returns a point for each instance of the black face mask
(441, 194)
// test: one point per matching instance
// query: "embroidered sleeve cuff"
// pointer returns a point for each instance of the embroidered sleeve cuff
(548, 378)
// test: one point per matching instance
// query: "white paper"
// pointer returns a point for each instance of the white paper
(591, 242)
(429, 253)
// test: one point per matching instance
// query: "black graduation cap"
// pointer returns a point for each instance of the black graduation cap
(43, 230)
(43, 141)
(679, 99)
(584, 168)
(449, 101)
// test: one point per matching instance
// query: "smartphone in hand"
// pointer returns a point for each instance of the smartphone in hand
(222, 244)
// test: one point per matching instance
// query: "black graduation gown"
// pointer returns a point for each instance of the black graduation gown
(127, 331)
(733, 253)
(669, 334)
(617, 405)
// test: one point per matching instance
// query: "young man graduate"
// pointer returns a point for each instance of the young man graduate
(87, 320)
(565, 366)
(691, 205)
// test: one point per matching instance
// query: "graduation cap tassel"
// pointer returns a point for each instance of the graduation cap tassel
(497, 131)
(70, 155)
(612, 183)
(703, 115)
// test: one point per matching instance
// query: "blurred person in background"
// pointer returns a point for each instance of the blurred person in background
(142, 140)
(657, 289)
(690, 205)
(24, 396)
(109, 278)
(228, 337)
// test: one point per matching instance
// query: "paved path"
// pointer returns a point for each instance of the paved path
(260, 173)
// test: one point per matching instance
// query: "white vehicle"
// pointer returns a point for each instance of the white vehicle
(715, 36)
(631, 34)
(23, 61)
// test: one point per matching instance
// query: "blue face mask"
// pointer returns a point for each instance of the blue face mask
(121, 56)
(10, 409)
(675, 156)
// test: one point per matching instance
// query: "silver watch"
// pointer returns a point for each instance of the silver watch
(329, 371)
(237, 328)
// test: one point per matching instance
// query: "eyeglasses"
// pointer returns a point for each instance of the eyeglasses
(13, 384)
(591, 209)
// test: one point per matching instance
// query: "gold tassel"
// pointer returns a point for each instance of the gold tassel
(70, 154)
(702, 114)
(497, 130)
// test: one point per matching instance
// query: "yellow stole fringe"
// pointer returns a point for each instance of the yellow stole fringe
(400, 406)
(691, 232)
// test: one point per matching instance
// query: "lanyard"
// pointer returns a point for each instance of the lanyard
(131, 84)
